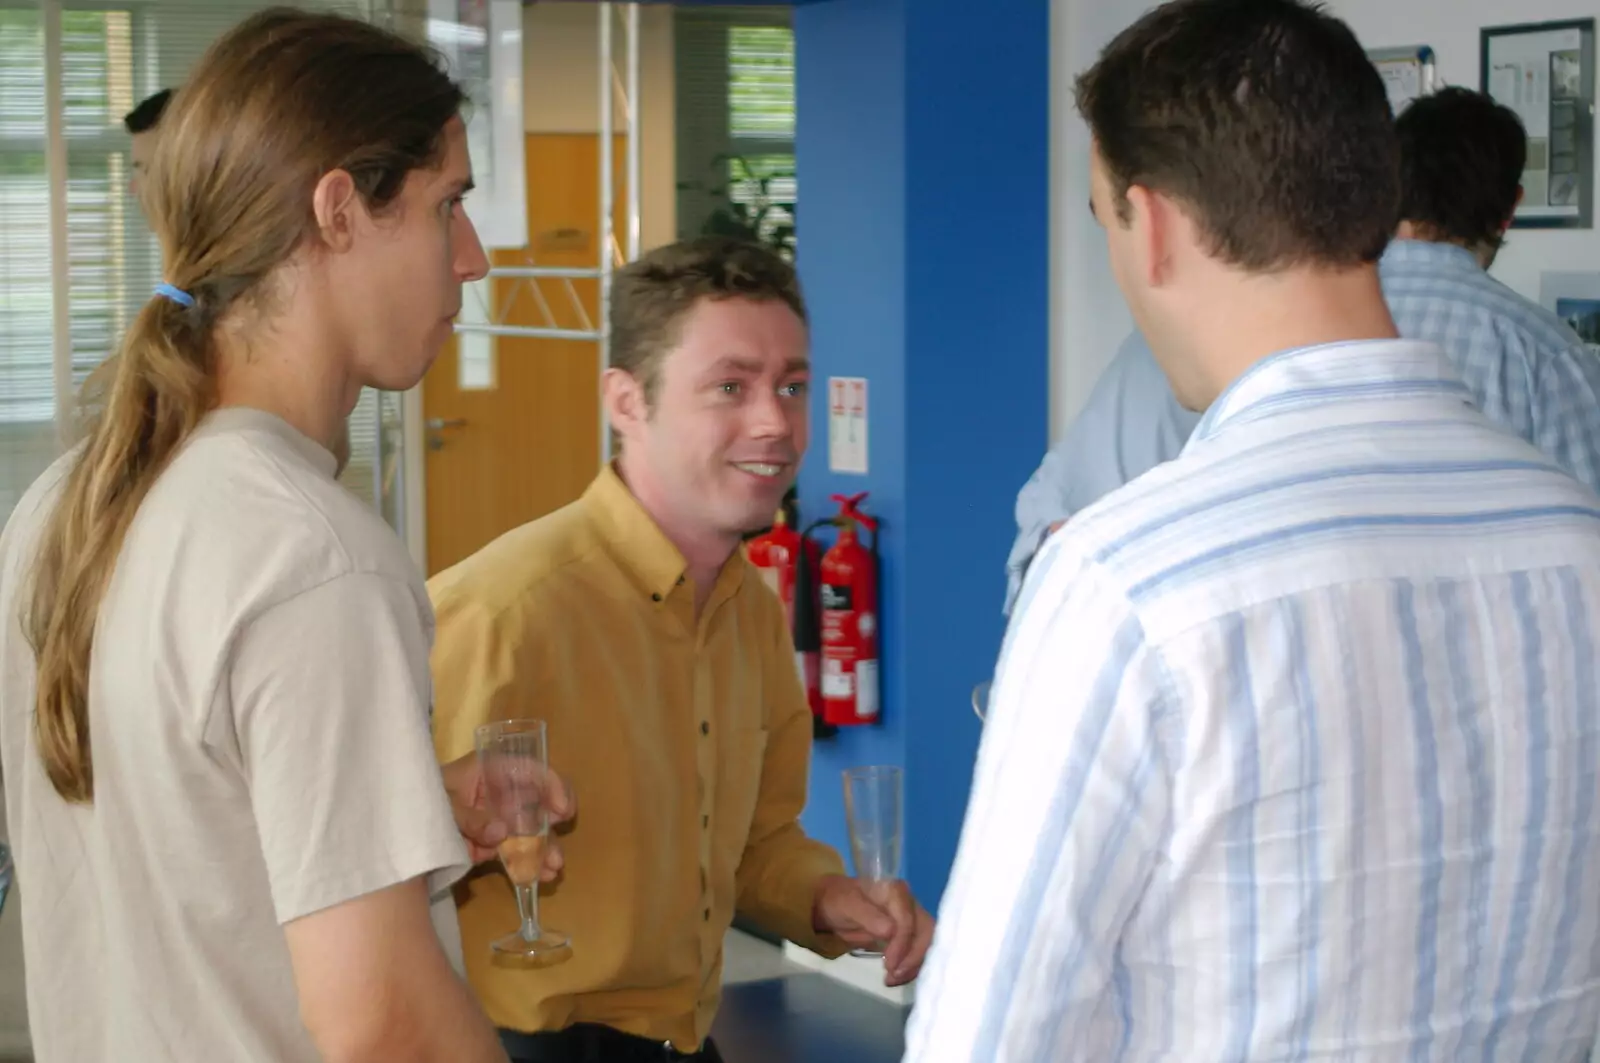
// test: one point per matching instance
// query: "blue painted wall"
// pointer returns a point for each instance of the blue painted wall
(923, 162)
(850, 160)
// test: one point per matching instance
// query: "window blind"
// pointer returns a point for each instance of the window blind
(112, 54)
(760, 69)
(27, 438)
(735, 121)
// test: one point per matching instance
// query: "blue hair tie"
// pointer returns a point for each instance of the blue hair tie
(177, 295)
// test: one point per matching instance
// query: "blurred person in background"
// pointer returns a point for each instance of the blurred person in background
(141, 124)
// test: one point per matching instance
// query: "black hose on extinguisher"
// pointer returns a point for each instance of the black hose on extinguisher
(808, 615)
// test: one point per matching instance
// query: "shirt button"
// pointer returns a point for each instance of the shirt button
(655, 597)
(705, 727)
(708, 915)
(705, 820)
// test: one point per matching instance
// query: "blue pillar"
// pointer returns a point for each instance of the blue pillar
(923, 158)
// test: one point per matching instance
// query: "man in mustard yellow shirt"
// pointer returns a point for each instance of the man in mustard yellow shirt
(631, 622)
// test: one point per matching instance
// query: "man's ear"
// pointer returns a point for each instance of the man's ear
(624, 399)
(337, 208)
(1150, 220)
(1515, 203)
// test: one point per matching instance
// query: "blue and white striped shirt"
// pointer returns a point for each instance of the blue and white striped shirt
(1526, 368)
(1294, 749)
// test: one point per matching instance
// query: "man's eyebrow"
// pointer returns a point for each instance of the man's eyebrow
(753, 366)
(734, 362)
(463, 186)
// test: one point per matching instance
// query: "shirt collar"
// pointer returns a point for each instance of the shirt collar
(1309, 377)
(652, 562)
(1428, 254)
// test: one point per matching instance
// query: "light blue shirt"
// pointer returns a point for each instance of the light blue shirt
(1294, 749)
(1131, 423)
(1527, 370)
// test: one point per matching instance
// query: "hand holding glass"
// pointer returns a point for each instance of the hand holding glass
(516, 777)
(872, 805)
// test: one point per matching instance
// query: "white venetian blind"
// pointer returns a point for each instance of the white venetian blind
(27, 436)
(110, 54)
(761, 82)
(736, 120)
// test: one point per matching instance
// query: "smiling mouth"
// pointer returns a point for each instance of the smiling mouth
(767, 470)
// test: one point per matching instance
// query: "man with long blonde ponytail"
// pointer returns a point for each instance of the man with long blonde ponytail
(233, 841)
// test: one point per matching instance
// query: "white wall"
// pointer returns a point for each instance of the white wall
(1451, 27)
(1089, 318)
(561, 77)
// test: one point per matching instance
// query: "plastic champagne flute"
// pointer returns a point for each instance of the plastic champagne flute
(873, 797)
(514, 755)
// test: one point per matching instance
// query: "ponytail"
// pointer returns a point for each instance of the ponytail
(155, 390)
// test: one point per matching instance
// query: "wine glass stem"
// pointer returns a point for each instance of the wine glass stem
(528, 909)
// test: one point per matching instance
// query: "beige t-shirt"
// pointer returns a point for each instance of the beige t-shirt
(259, 701)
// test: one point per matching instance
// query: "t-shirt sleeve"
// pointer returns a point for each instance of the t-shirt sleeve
(330, 698)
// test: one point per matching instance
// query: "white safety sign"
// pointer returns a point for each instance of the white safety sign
(847, 424)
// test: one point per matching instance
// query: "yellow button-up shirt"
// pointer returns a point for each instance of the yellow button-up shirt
(687, 744)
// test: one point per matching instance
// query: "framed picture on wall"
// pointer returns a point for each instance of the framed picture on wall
(1545, 72)
(1407, 73)
(1575, 298)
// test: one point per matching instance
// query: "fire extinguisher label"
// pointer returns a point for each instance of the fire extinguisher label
(837, 684)
(867, 689)
(836, 597)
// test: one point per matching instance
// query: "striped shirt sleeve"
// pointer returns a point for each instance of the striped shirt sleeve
(1069, 809)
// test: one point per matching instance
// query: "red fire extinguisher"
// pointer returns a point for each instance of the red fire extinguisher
(788, 563)
(850, 619)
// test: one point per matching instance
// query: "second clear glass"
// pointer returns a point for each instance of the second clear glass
(873, 801)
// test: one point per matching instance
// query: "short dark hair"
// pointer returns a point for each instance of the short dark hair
(651, 296)
(1461, 160)
(144, 117)
(1265, 118)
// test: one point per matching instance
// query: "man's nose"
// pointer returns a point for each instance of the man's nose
(472, 262)
(769, 419)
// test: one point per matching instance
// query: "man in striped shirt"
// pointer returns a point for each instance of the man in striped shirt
(1292, 751)
(1461, 161)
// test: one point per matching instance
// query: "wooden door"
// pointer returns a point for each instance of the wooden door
(500, 455)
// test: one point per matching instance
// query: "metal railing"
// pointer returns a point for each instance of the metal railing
(615, 85)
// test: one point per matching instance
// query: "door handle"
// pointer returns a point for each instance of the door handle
(435, 425)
